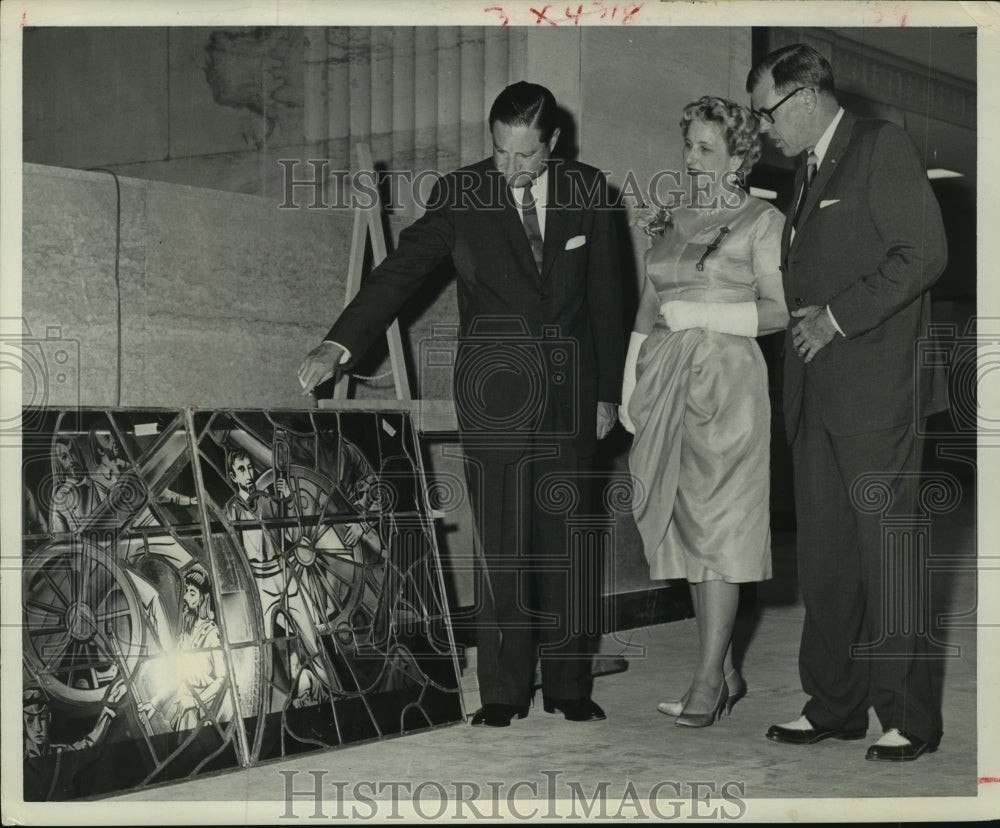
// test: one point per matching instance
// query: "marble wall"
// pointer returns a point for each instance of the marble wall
(221, 293)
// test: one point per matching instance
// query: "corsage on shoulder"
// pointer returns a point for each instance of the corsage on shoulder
(653, 220)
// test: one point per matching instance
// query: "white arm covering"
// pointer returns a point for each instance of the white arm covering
(628, 380)
(738, 318)
(346, 356)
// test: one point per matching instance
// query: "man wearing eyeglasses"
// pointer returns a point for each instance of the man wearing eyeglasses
(863, 242)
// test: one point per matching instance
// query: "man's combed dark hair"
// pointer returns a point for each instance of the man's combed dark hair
(791, 66)
(526, 104)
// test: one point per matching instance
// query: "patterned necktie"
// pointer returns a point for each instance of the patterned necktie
(531, 228)
(811, 164)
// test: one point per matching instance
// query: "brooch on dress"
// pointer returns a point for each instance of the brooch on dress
(713, 245)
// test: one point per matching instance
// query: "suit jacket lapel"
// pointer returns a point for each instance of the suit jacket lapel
(554, 219)
(838, 145)
(786, 233)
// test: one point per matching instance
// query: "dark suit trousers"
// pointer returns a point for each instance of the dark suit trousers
(851, 586)
(537, 589)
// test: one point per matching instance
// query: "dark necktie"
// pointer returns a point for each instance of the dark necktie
(531, 228)
(811, 164)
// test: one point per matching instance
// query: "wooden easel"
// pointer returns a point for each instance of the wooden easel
(368, 224)
(430, 416)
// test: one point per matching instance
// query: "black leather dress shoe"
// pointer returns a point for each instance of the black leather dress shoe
(899, 753)
(575, 710)
(497, 715)
(794, 736)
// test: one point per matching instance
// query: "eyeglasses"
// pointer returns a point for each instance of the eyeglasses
(767, 114)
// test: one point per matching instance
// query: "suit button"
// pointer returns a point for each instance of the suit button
(797, 301)
(781, 268)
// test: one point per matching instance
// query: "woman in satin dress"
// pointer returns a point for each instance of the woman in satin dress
(695, 393)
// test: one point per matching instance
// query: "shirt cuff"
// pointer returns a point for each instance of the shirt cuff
(347, 354)
(834, 321)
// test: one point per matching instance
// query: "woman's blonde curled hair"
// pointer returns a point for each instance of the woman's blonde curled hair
(739, 126)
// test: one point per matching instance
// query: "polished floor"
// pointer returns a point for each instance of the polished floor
(637, 749)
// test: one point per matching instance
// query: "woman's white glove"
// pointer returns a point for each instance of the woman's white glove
(737, 318)
(628, 379)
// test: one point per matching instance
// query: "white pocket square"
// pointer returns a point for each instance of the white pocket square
(828, 202)
(575, 242)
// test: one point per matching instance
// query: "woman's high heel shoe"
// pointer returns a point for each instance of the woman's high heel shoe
(705, 719)
(735, 685)
(673, 708)
(737, 689)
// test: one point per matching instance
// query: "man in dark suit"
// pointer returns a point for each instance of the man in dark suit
(537, 378)
(863, 242)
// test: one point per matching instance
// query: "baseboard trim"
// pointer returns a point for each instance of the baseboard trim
(647, 607)
(622, 611)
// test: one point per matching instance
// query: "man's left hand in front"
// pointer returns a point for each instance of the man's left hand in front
(813, 333)
(607, 416)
